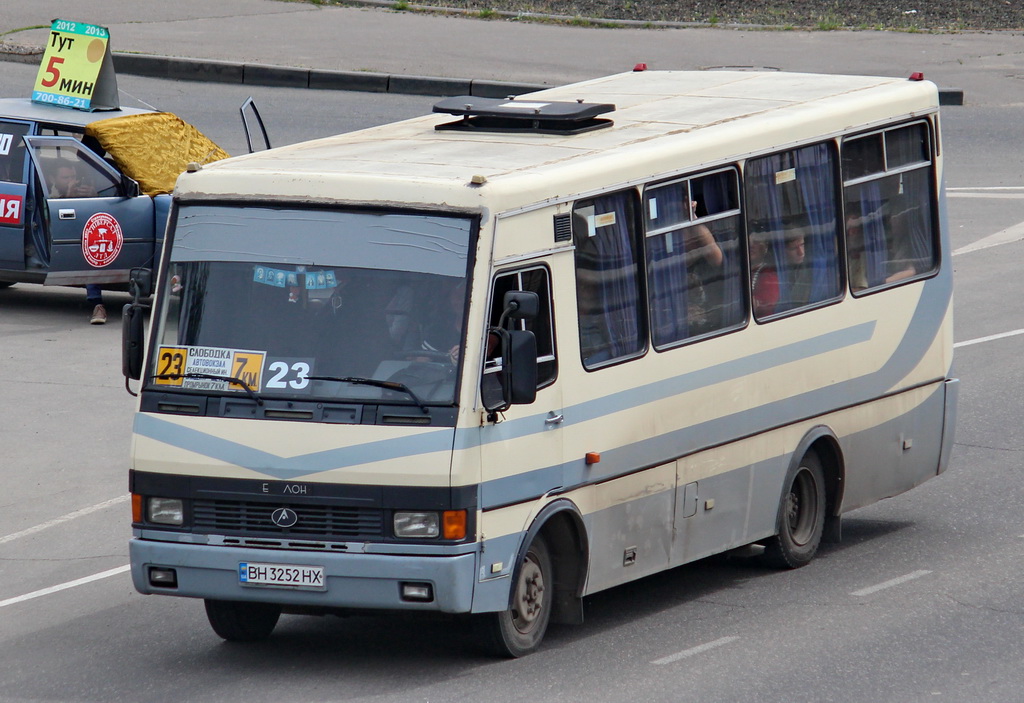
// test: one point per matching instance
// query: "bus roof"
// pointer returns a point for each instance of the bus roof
(664, 122)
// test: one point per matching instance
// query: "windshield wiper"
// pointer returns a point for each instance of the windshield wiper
(213, 377)
(389, 385)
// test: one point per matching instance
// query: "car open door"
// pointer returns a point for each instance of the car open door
(16, 201)
(98, 226)
(251, 121)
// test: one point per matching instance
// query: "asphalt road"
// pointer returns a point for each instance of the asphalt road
(921, 601)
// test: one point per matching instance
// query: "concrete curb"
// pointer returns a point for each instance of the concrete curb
(319, 79)
(210, 70)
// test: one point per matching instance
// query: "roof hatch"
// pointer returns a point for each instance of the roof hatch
(532, 116)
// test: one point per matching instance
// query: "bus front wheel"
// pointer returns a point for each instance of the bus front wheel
(519, 630)
(801, 516)
(236, 621)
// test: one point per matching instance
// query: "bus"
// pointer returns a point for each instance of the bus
(495, 359)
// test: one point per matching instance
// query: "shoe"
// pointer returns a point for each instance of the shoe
(99, 316)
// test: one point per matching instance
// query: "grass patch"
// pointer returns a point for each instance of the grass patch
(829, 23)
(24, 29)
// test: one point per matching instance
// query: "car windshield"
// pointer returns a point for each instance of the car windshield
(311, 303)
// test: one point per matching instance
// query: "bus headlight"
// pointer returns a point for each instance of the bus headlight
(166, 511)
(421, 525)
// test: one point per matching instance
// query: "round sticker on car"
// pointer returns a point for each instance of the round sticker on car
(101, 239)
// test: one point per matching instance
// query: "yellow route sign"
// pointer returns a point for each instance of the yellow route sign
(77, 70)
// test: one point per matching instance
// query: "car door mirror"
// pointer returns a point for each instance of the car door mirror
(130, 187)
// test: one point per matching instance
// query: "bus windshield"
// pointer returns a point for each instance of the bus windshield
(309, 303)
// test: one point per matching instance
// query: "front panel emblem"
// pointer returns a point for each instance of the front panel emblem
(284, 517)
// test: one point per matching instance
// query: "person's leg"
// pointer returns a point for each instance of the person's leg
(94, 298)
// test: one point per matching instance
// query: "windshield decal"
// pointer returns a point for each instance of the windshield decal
(281, 278)
(176, 363)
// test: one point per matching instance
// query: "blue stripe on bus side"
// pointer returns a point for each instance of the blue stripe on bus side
(684, 383)
(926, 322)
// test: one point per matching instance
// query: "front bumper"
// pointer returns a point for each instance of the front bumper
(353, 580)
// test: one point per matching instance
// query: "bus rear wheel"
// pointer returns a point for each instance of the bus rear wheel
(801, 516)
(519, 630)
(236, 621)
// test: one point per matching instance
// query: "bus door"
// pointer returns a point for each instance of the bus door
(522, 451)
(97, 225)
(15, 201)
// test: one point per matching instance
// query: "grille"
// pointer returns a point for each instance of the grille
(326, 521)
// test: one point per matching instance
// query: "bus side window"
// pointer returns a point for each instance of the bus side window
(608, 292)
(537, 280)
(793, 225)
(694, 263)
(887, 187)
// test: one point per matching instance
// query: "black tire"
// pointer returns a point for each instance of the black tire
(801, 516)
(519, 630)
(236, 621)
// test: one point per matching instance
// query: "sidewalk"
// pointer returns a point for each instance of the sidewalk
(299, 44)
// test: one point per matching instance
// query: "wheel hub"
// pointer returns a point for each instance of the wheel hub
(529, 595)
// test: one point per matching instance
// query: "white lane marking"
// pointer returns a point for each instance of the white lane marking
(1006, 236)
(991, 337)
(973, 188)
(65, 586)
(694, 650)
(64, 518)
(889, 584)
(988, 196)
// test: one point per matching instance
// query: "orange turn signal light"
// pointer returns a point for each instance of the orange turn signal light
(593, 457)
(454, 522)
(136, 507)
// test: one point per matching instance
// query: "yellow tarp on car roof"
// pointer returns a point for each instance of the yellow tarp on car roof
(153, 148)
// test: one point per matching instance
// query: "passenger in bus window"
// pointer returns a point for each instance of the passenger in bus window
(703, 265)
(901, 255)
(701, 244)
(880, 256)
(764, 279)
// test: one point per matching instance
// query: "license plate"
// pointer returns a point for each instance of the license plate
(282, 576)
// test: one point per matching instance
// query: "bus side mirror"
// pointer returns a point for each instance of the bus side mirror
(515, 383)
(140, 284)
(132, 340)
(520, 371)
(520, 305)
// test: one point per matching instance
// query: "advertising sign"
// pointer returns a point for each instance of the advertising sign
(77, 70)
